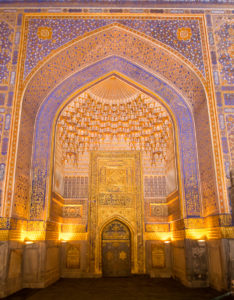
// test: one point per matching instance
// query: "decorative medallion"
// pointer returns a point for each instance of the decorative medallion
(184, 34)
(122, 255)
(44, 33)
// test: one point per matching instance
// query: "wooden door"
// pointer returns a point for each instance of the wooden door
(116, 250)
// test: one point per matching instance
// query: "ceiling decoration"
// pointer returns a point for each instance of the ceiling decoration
(87, 121)
(113, 90)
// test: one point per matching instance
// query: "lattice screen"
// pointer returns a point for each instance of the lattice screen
(154, 186)
(76, 187)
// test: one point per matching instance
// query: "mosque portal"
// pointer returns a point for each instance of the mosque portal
(116, 137)
(114, 179)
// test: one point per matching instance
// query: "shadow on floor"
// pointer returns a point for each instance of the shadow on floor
(133, 288)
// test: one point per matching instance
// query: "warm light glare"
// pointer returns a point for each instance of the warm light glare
(72, 236)
(196, 233)
(28, 242)
(201, 241)
(66, 236)
(163, 236)
(32, 236)
(167, 242)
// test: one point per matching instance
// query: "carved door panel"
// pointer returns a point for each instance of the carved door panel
(116, 250)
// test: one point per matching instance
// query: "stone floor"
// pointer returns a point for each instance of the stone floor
(134, 288)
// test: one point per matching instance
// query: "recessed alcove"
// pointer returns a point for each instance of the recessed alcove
(115, 135)
(115, 117)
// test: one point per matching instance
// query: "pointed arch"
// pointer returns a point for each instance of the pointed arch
(132, 238)
(121, 27)
(43, 138)
(120, 219)
(85, 61)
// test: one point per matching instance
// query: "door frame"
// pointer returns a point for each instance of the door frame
(133, 251)
(128, 240)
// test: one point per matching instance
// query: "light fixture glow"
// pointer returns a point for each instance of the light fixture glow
(201, 241)
(63, 241)
(28, 242)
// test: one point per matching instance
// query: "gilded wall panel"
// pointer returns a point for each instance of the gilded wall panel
(116, 192)
(21, 204)
(158, 256)
(73, 211)
(73, 257)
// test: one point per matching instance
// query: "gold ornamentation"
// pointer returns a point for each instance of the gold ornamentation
(34, 235)
(157, 227)
(73, 257)
(4, 235)
(122, 255)
(73, 236)
(114, 199)
(158, 256)
(225, 220)
(113, 90)
(231, 50)
(78, 228)
(72, 211)
(44, 33)
(194, 223)
(184, 33)
(213, 119)
(157, 210)
(157, 236)
(227, 232)
(116, 231)
(131, 187)
(21, 197)
(85, 122)
(212, 227)
(4, 223)
(36, 226)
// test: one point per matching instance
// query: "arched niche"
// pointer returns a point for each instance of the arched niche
(86, 61)
(184, 120)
